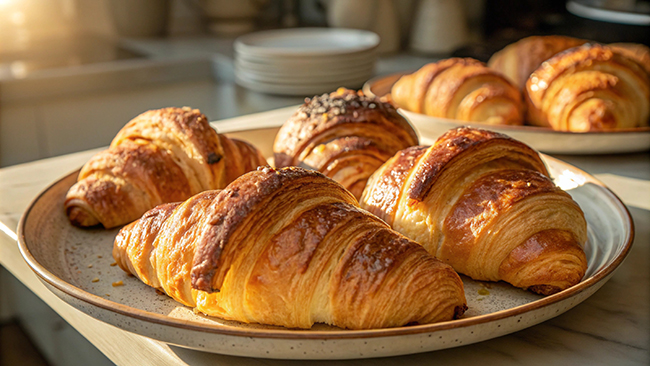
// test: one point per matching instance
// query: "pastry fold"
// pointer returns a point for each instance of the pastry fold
(164, 155)
(460, 88)
(589, 88)
(344, 135)
(638, 52)
(288, 247)
(483, 203)
(518, 60)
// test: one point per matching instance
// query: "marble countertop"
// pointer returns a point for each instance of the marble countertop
(610, 327)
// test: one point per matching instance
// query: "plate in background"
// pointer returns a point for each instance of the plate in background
(307, 89)
(75, 264)
(306, 42)
(540, 138)
(304, 61)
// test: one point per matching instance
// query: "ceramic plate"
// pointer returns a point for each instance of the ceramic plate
(298, 89)
(306, 71)
(306, 42)
(77, 265)
(542, 139)
(302, 80)
(331, 61)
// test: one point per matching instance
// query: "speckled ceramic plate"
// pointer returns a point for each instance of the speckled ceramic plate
(76, 264)
(542, 139)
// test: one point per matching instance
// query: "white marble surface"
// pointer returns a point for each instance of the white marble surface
(611, 327)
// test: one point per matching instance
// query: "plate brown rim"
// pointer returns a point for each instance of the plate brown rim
(299, 334)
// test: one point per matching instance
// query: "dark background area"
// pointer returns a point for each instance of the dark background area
(506, 21)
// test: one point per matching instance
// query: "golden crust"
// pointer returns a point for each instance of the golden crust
(552, 258)
(135, 244)
(160, 156)
(638, 52)
(233, 206)
(589, 88)
(243, 157)
(383, 191)
(344, 135)
(410, 91)
(142, 168)
(472, 199)
(518, 60)
(460, 142)
(288, 247)
(460, 88)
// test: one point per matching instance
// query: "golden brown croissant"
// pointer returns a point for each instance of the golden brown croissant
(638, 52)
(483, 203)
(518, 60)
(160, 156)
(344, 135)
(288, 247)
(460, 88)
(589, 88)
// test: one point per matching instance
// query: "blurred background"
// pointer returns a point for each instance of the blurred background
(73, 72)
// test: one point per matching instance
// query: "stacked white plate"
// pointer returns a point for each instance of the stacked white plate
(305, 61)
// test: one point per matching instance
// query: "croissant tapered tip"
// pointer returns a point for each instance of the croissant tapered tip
(544, 289)
(459, 311)
(80, 217)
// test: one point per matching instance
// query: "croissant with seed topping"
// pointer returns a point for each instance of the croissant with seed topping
(344, 135)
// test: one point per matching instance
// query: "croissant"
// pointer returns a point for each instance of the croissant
(288, 247)
(460, 88)
(518, 60)
(483, 203)
(160, 156)
(638, 52)
(589, 88)
(345, 135)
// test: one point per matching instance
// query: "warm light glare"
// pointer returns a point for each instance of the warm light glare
(18, 69)
(18, 18)
(21, 38)
(6, 230)
(4, 3)
(569, 180)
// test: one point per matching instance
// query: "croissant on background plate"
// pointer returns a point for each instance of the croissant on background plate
(638, 52)
(288, 247)
(484, 203)
(345, 135)
(518, 60)
(164, 155)
(589, 88)
(460, 88)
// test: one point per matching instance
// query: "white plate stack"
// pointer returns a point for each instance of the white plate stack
(305, 61)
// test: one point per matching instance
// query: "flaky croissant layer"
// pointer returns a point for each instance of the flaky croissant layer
(483, 203)
(460, 88)
(160, 156)
(288, 247)
(518, 60)
(589, 88)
